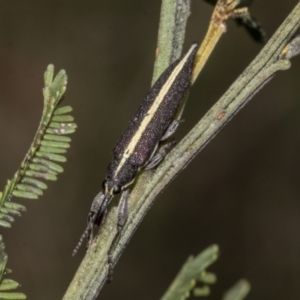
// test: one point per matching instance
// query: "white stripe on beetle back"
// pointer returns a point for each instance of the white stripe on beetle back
(152, 110)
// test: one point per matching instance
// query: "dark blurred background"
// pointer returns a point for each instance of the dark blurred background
(241, 192)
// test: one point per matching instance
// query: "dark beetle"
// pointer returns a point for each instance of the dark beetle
(137, 148)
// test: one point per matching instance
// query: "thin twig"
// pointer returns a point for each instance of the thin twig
(224, 10)
(173, 19)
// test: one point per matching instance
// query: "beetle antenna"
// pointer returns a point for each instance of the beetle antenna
(80, 242)
(86, 233)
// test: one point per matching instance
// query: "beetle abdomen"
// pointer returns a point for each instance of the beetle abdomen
(153, 117)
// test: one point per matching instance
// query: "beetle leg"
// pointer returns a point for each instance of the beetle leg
(96, 215)
(94, 218)
(122, 218)
(171, 129)
(160, 155)
(156, 158)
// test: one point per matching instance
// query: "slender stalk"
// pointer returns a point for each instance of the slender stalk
(92, 273)
(224, 10)
(173, 19)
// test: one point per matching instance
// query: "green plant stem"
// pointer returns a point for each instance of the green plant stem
(172, 25)
(91, 275)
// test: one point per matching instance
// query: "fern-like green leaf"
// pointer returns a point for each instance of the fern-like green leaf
(7, 285)
(193, 271)
(46, 151)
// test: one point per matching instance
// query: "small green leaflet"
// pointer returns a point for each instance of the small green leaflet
(46, 151)
(7, 284)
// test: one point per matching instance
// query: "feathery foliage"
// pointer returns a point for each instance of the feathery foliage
(7, 284)
(191, 273)
(194, 278)
(46, 151)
